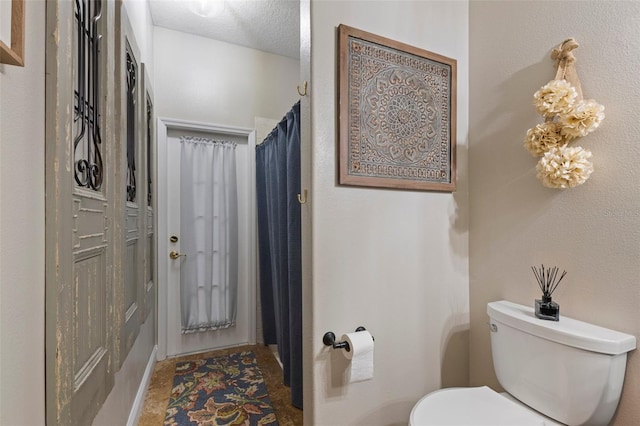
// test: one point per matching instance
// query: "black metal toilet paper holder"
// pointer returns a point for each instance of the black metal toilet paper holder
(329, 339)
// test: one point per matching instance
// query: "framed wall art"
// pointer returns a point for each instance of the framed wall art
(13, 53)
(397, 114)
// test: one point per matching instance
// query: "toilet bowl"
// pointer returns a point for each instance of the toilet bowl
(566, 372)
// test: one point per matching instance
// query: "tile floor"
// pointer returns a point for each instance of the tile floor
(157, 398)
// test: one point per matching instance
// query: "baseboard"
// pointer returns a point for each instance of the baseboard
(138, 403)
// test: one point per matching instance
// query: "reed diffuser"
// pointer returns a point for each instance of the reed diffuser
(548, 281)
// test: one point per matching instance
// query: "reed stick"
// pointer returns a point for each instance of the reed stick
(547, 278)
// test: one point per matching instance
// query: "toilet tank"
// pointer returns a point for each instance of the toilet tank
(568, 370)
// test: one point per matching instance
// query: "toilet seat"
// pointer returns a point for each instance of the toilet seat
(473, 406)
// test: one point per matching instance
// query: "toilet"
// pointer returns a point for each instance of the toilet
(566, 372)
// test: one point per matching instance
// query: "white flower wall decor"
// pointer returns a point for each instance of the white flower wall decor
(567, 117)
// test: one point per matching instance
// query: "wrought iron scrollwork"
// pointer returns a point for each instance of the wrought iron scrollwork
(88, 166)
(132, 75)
(149, 144)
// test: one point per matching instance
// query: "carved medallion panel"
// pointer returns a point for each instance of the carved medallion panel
(397, 114)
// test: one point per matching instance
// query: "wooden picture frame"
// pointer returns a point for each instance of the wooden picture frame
(397, 114)
(14, 55)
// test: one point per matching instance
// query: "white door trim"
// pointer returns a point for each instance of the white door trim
(163, 126)
(172, 123)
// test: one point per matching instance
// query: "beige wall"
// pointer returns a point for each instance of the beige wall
(592, 231)
(22, 230)
(393, 261)
(200, 79)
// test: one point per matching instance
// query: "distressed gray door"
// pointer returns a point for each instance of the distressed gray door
(80, 189)
(133, 188)
(149, 155)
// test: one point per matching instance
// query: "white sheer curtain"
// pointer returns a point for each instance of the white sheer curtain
(209, 234)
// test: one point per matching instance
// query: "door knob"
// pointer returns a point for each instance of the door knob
(174, 255)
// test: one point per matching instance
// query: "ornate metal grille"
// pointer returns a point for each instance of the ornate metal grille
(131, 74)
(149, 166)
(88, 167)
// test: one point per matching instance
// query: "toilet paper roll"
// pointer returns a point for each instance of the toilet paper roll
(360, 354)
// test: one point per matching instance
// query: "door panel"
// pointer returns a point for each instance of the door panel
(91, 352)
(89, 295)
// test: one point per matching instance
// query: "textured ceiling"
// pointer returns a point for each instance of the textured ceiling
(269, 25)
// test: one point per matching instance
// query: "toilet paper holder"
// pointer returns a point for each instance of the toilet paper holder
(329, 339)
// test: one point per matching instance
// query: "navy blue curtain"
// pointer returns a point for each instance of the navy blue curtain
(279, 246)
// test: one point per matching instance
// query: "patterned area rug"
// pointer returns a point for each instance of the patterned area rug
(225, 390)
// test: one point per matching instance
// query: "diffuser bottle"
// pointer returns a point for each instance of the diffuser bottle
(548, 281)
(547, 309)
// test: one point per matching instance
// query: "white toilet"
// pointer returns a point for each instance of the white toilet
(567, 372)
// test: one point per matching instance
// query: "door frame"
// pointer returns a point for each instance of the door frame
(163, 126)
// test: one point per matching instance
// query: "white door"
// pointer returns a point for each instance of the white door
(244, 330)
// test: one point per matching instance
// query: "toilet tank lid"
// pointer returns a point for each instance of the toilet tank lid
(567, 331)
